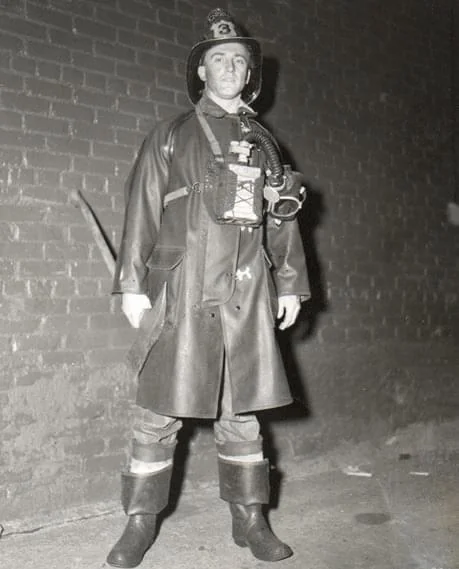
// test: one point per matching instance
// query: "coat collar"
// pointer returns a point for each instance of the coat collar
(210, 107)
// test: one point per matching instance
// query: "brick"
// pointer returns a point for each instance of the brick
(95, 81)
(72, 41)
(23, 64)
(71, 180)
(116, 120)
(94, 165)
(16, 138)
(155, 30)
(72, 111)
(165, 111)
(48, 178)
(22, 213)
(50, 89)
(135, 72)
(155, 61)
(113, 151)
(140, 90)
(35, 123)
(48, 160)
(177, 20)
(106, 357)
(86, 269)
(21, 324)
(10, 157)
(93, 182)
(93, 63)
(94, 29)
(107, 322)
(117, 85)
(89, 305)
(137, 9)
(115, 19)
(22, 27)
(50, 17)
(38, 50)
(20, 102)
(15, 250)
(86, 340)
(129, 138)
(48, 70)
(101, 130)
(32, 378)
(91, 99)
(172, 50)
(44, 305)
(80, 233)
(77, 7)
(11, 81)
(63, 358)
(64, 323)
(64, 288)
(170, 81)
(138, 41)
(39, 232)
(66, 251)
(34, 342)
(66, 145)
(137, 107)
(40, 269)
(8, 231)
(72, 76)
(12, 43)
(87, 287)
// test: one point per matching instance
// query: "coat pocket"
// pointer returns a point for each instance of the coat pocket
(165, 266)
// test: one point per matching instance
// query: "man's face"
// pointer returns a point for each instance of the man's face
(225, 70)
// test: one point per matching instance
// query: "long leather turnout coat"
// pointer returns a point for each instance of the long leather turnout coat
(219, 282)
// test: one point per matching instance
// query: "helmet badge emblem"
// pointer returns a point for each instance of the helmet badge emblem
(223, 29)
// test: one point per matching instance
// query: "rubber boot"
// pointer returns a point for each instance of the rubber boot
(245, 485)
(143, 496)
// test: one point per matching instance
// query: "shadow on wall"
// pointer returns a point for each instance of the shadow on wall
(310, 219)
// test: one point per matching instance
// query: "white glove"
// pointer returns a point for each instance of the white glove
(133, 306)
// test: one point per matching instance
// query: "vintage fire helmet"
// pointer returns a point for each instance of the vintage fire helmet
(222, 28)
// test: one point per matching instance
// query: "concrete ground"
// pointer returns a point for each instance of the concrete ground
(393, 506)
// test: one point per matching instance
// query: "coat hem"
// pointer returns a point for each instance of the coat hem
(214, 417)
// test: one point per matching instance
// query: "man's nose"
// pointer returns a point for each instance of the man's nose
(229, 64)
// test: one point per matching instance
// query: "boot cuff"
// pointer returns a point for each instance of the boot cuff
(244, 482)
(145, 493)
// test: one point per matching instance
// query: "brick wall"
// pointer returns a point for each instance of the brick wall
(358, 94)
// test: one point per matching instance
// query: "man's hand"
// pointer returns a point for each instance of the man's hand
(289, 308)
(133, 306)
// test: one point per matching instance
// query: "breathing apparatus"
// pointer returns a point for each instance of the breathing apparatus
(283, 190)
(239, 193)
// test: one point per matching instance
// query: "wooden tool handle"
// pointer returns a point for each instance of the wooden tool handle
(78, 199)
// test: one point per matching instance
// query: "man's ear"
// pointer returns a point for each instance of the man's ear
(248, 76)
(202, 73)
